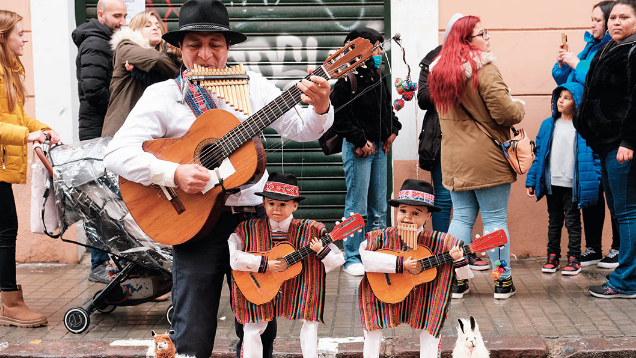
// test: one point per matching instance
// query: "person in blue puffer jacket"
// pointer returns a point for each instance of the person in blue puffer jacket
(572, 68)
(569, 68)
(567, 173)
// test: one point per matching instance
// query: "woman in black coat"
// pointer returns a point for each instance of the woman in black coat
(606, 118)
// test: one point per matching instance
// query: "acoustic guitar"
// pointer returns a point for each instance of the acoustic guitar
(394, 287)
(171, 216)
(260, 288)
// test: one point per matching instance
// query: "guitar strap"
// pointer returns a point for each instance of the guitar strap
(197, 98)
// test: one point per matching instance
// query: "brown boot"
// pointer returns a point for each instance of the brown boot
(16, 313)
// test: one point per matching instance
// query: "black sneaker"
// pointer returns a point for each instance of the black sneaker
(603, 291)
(477, 264)
(590, 257)
(504, 289)
(572, 268)
(610, 260)
(459, 288)
(552, 265)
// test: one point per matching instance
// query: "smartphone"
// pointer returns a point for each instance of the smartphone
(564, 41)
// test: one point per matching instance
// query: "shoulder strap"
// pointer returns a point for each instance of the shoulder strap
(483, 129)
(353, 82)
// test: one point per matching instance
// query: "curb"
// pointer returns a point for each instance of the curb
(500, 347)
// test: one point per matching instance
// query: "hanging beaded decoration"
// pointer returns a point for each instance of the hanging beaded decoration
(405, 88)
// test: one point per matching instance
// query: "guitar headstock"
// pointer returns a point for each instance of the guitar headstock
(489, 241)
(349, 226)
(347, 58)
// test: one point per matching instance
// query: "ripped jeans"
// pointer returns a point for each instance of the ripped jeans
(366, 194)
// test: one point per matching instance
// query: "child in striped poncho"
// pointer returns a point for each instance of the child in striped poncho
(301, 297)
(426, 305)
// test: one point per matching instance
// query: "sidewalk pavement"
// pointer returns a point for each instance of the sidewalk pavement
(550, 316)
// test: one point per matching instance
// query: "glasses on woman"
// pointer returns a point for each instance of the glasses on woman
(484, 35)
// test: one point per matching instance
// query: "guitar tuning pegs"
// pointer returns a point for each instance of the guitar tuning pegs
(345, 239)
(483, 254)
(337, 222)
(493, 250)
(495, 228)
(352, 213)
(477, 236)
(343, 218)
(363, 65)
(360, 230)
(351, 235)
(486, 232)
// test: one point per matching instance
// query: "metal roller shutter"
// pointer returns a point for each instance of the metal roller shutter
(285, 37)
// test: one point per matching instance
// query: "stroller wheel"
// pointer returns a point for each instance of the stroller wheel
(169, 313)
(76, 320)
(103, 307)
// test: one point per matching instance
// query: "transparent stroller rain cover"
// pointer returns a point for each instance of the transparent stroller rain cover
(85, 191)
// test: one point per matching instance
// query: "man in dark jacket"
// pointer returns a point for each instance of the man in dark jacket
(369, 126)
(94, 69)
(95, 65)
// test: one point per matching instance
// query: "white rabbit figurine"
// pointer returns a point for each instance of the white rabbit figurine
(469, 342)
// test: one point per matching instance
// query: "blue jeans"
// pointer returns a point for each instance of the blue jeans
(619, 181)
(441, 219)
(98, 257)
(493, 203)
(366, 194)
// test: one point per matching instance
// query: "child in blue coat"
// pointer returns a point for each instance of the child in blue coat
(567, 172)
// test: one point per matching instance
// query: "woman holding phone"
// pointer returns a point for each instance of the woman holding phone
(572, 68)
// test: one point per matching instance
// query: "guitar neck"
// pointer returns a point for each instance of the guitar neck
(440, 259)
(305, 251)
(267, 115)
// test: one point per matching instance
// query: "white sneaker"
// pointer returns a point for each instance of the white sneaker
(355, 269)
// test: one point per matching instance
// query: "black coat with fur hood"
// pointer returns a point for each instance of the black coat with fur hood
(606, 117)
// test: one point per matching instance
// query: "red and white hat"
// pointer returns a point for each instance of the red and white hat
(282, 187)
(416, 193)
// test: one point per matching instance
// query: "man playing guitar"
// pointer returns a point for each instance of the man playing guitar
(199, 267)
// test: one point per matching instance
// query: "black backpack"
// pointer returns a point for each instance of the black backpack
(430, 139)
(330, 141)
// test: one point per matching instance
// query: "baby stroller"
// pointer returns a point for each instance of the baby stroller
(83, 190)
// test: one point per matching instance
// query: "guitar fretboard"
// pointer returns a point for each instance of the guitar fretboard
(440, 259)
(267, 115)
(298, 255)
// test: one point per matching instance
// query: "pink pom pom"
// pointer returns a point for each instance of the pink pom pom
(407, 95)
(501, 269)
(398, 104)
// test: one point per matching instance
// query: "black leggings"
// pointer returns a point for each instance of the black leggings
(8, 234)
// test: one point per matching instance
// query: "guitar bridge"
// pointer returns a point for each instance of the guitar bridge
(255, 280)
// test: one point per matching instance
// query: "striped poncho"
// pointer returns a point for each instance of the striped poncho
(301, 297)
(427, 304)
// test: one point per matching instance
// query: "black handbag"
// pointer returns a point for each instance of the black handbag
(330, 142)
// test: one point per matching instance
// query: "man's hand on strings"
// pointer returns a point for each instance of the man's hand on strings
(191, 178)
(388, 143)
(315, 93)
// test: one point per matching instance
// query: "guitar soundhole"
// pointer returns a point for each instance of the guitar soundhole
(208, 154)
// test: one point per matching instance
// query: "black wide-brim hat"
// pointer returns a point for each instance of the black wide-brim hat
(283, 187)
(417, 193)
(203, 16)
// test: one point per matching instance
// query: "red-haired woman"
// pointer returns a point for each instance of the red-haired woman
(16, 129)
(466, 86)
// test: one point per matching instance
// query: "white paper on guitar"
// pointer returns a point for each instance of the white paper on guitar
(225, 170)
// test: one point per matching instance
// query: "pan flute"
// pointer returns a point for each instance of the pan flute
(229, 84)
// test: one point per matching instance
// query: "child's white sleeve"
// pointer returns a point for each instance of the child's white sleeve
(331, 257)
(374, 261)
(239, 260)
